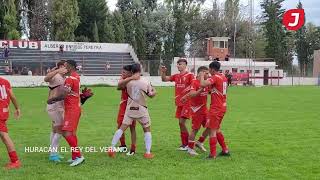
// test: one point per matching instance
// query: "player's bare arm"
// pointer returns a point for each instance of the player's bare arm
(65, 90)
(164, 77)
(151, 92)
(14, 101)
(191, 94)
(123, 82)
(51, 74)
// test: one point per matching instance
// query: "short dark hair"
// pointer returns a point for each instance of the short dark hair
(215, 65)
(61, 62)
(127, 68)
(73, 63)
(182, 60)
(202, 68)
(135, 68)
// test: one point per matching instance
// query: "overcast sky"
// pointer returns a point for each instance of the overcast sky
(311, 7)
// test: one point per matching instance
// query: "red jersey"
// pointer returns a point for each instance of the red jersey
(5, 87)
(199, 103)
(219, 84)
(182, 86)
(72, 100)
(124, 100)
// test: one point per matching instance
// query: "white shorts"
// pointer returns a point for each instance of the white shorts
(145, 121)
(56, 113)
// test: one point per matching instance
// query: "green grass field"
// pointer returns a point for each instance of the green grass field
(272, 132)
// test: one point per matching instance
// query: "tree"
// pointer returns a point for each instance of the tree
(10, 22)
(275, 33)
(90, 12)
(312, 43)
(109, 34)
(119, 31)
(95, 33)
(2, 12)
(65, 19)
(183, 12)
(141, 40)
(301, 45)
(129, 26)
(38, 18)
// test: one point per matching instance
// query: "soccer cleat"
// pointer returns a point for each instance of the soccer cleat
(111, 154)
(123, 148)
(13, 165)
(224, 153)
(55, 158)
(200, 146)
(70, 161)
(183, 148)
(192, 152)
(77, 161)
(148, 155)
(211, 157)
(131, 153)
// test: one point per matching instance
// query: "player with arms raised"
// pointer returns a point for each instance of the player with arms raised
(182, 87)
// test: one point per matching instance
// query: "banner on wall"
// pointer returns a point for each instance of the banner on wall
(240, 78)
(20, 44)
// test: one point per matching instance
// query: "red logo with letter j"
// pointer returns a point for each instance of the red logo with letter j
(293, 19)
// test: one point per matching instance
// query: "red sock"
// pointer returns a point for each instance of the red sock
(73, 143)
(13, 156)
(213, 146)
(133, 147)
(201, 139)
(123, 140)
(184, 138)
(223, 145)
(191, 144)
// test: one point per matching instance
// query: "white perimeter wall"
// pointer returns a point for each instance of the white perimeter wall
(34, 81)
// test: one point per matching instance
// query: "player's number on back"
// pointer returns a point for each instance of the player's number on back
(225, 85)
(3, 92)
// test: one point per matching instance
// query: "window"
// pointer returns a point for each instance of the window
(221, 44)
(216, 44)
(249, 71)
(226, 44)
(256, 71)
(234, 70)
(241, 71)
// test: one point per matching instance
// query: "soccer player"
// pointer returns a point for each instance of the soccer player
(56, 108)
(218, 84)
(72, 111)
(182, 87)
(126, 77)
(198, 98)
(136, 111)
(6, 94)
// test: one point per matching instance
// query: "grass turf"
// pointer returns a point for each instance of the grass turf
(272, 132)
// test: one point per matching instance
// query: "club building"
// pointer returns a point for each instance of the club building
(244, 71)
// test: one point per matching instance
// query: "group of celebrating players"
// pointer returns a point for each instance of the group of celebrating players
(65, 100)
(191, 102)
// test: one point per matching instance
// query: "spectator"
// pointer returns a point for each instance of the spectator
(24, 71)
(29, 73)
(6, 53)
(229, 77)
(7, 70)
